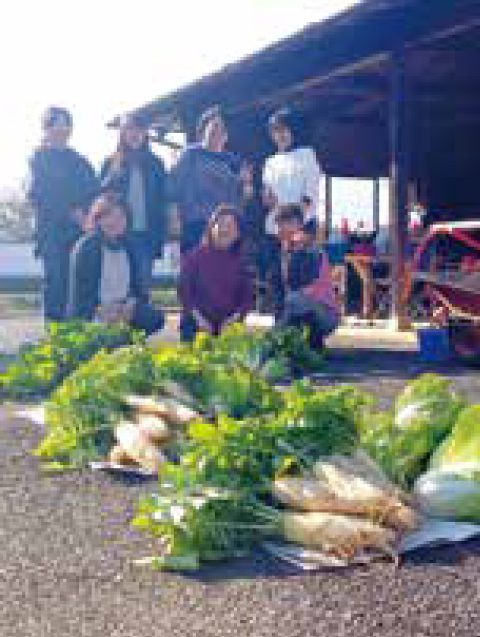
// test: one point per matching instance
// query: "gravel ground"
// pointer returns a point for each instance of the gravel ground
(66, 555)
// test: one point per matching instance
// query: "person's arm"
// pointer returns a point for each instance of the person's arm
(113, 176)
(160, 199)
(244, 295)
(268, 196)
(85, 271)
(322, 289)
(313, 181)
(188, 291)
(89, 189)
(179, 179)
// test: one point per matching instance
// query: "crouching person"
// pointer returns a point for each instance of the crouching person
(215, 286)
(310, 297)
(104, 283)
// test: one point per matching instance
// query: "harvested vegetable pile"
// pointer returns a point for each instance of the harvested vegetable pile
(231, 375)
(240, 461)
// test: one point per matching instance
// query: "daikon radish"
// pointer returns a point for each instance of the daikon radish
(178, 414)
(135, 444)
(144, 404)
(154, 429)
(303, 494)
(341, 535)
(175, 390)
(168, 408)
(119, 456)
(361, 489)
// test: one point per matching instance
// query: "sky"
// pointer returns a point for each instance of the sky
(100, 58)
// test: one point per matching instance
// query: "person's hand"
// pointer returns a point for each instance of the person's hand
(269, 198)
(127, 310)
(78, 217)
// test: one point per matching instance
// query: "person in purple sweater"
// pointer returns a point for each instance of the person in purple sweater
(215, 287)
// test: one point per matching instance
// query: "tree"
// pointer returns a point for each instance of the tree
(16, 216)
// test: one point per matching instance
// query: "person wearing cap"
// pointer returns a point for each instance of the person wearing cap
(60, 187)
(205, 176)
(292, 175)
(105, 285)
(139, 176)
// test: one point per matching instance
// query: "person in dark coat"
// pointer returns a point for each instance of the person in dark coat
(215, 287)
(104, 282)
(139, 176)
(60, 189)
(205, 176)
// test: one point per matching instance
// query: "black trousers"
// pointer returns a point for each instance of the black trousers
(56, 268)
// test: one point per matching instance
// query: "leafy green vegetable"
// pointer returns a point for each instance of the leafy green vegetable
(273, 354)
(42, 366)
(463, 444)
(402, 442)
(451, 493)
(81, 413)
(196, 526)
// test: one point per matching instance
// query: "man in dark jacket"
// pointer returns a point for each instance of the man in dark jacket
(139, 177)
(61, 186)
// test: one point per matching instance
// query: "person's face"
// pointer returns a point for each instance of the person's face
(113, 224)
(225, 232)
(134, 136)
(58, 135)
(281, 136)
(246, 173)
(215, 134)
(290, 230)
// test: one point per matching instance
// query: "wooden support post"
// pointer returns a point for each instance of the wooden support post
(398, 187)
(376, 204)
(328, 206)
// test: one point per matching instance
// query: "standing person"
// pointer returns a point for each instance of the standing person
(205, 176)
(215, 286)
(104, 282)
(262, 249)
(139, 176)
(61, 186)
(292, 175)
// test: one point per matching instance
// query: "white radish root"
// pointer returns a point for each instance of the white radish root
(119, 456)
(154, 429)
(136, 445)
(361, 488)
(339, 534)
(169, 409)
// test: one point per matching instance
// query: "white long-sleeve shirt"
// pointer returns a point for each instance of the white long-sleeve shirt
(292, 175)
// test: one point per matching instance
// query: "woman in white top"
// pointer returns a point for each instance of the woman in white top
(292, 175)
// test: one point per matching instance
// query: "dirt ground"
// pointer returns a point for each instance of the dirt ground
(66, 554)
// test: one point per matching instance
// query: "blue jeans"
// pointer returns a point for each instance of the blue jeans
(301, 311)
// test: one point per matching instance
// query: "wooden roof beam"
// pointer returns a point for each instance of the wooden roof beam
(288, 93)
